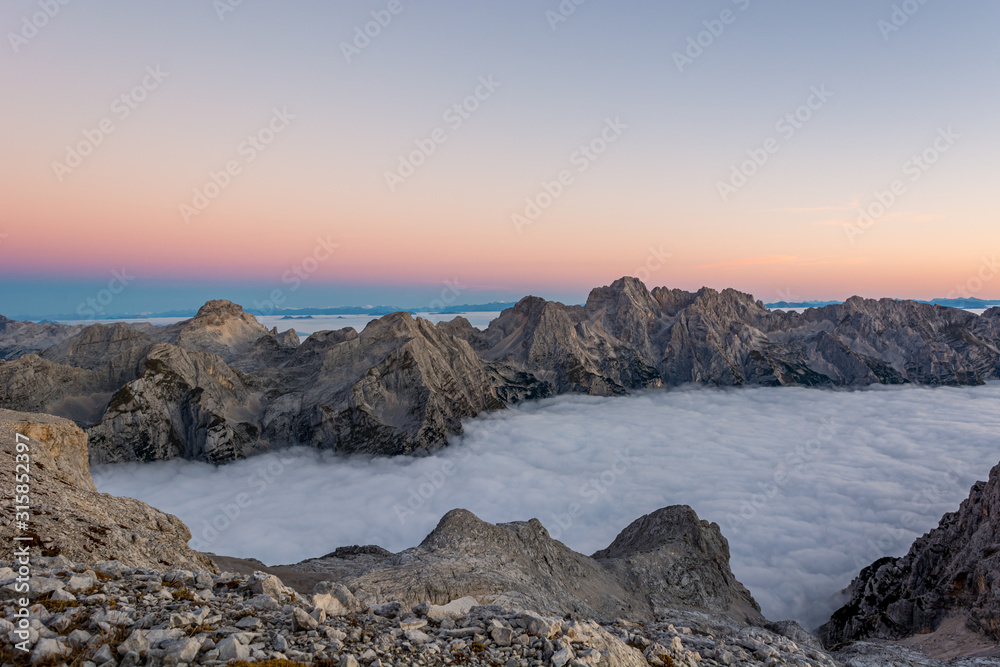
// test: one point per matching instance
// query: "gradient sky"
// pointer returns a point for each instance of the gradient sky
(785, 234)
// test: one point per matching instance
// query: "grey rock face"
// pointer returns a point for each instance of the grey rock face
(220, 327)
(33, 384)
(209, 622)
(20, 338)
(667, 559)
(117, 351)
(626, 337)
(220, 386)
(465, 556)
(950, 570)
(71, 519)
(401, 385)
(676, 560)
(186, 404)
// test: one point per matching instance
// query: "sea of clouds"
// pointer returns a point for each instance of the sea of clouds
(808, 485)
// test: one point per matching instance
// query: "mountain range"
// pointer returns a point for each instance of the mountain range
(220, 386)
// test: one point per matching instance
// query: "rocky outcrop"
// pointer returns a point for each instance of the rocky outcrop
(184, 405)
(512, 563)
(115, 351)
(20, 338)
(220, 327)
(403, 385)
(32, 384)
(67, 515)
(675, 560)
(399, 386)
(108, 613)
(951, 571)
(626, 337)
(667, 560)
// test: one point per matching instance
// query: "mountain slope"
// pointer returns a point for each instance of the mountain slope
(404, 385)
(950, 571)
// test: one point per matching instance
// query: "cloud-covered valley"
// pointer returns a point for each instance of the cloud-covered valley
(808, 485)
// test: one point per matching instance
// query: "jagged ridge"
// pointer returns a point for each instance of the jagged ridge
(220, 386)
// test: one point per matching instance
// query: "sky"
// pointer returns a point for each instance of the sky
(809, 486)
(349, 153)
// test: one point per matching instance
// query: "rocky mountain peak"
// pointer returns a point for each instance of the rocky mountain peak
(398, 322)
(948, 572)
(623, 294)
(217, 311)
(664, 527)
(684, 560)
(220, 327)
(457, 524)
(672, 300)
(530, 307)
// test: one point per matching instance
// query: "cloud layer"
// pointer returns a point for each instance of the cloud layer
(808, 485)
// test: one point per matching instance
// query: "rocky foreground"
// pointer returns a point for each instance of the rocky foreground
(951, 573)
(108, 614)
(112, 583)
(220, 386)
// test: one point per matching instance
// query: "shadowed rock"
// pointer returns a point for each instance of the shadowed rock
(676, 560)
(69, 517)
(950, 571)
(403, 385)
(666, 560)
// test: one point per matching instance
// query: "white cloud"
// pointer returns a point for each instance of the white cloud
(860, 474)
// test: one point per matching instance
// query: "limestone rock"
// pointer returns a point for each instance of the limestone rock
(71, 518)
(20, 338)
(220, 386)
(677, 560)
(185, 405)
(33, 384)
(950, 571)
(668, 559)
(220, 327)
(334, 599)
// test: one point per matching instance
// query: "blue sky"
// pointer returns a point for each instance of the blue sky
(899, 74)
